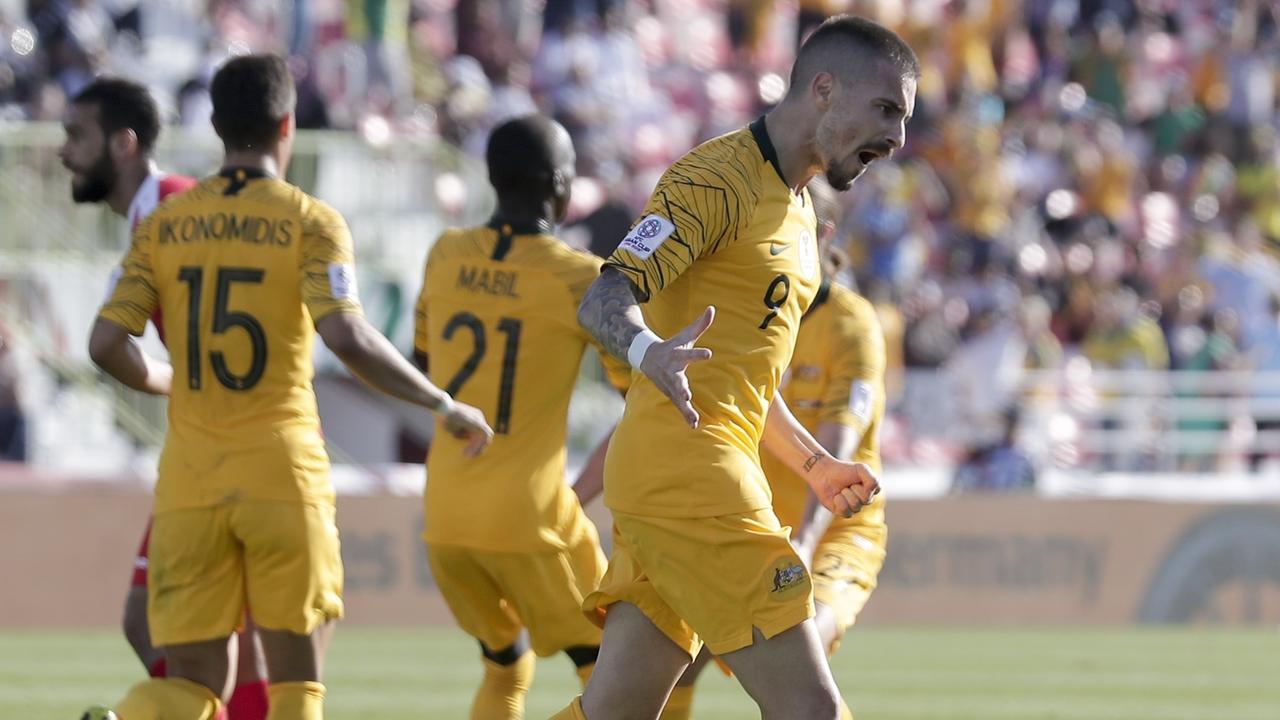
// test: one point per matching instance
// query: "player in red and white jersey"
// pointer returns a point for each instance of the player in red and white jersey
(111, 130)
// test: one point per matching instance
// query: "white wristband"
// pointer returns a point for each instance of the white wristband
(640, 345)
(445, 407)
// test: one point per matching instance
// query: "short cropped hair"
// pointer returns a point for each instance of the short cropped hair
(860, 34)
(123, 105)
(521, 155)
(251, 94)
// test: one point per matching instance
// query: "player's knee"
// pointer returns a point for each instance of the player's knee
(290, 657)
(820, 704)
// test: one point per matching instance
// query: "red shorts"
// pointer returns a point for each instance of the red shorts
(140, 562)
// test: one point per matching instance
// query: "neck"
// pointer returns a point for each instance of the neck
(257, 159)
(127, 184)
(524, 214)
(791, 130)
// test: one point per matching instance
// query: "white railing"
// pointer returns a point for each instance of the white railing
(1081, 418)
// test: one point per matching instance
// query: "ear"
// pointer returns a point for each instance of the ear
(123, 143)
(559, 183)
(287, 127)
(822, 88)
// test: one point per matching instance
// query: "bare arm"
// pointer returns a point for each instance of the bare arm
(116, 352)
(840, 440)
(842, 487)
(590, 481)
(373, 359)
(611, 313)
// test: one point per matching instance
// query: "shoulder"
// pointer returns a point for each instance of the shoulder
(723, 160)
(855, 323)
(181, 194)
(317, 215)
(457, 241)
(174, 184)
(570, 259)
(854, 306)
(577, 268)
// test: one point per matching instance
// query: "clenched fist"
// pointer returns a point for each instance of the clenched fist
(842, 487)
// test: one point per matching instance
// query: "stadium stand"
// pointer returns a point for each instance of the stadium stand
(1089, 188)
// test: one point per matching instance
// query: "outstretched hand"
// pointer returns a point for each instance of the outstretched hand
(664, 363)
(842, 487)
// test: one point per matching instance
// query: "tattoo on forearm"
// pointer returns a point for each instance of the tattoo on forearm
(813, 460)
(609, 312)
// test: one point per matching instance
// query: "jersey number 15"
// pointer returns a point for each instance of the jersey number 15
(223, 320)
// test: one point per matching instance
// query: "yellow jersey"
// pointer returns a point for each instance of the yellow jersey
(722, 228)
(241, 267)
(1135, 345)
(836, 376)
(497, 316)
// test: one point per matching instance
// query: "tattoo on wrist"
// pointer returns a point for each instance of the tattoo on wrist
(813, 460)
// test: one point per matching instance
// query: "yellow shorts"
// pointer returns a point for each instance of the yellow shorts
(281, 559)
(707, 580)
(845, 565)
(495, 595)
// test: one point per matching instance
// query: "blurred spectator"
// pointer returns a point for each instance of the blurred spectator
(1264, 359)
(13, 419)
(1058, 146)
(1122, 336)
(607, 224)
(1216, 350)
(1043, 351)
(998, 467)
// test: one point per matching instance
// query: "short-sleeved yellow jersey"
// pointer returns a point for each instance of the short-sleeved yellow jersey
(836, 376)
(724, 229)
(241, 266)
(497, 316)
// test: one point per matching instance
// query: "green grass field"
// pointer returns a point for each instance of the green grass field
(895, 674)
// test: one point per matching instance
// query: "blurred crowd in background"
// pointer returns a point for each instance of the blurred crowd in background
(1093, 182)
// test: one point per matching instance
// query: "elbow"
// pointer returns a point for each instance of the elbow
(102, 344)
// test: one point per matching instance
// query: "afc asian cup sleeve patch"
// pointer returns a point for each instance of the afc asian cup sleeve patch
(342, 281)
(647, 236)
(861, 398)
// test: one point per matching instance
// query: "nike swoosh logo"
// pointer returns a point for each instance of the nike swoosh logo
(776, 249)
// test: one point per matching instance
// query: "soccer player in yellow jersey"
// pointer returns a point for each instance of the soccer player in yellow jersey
(835, 386)
(509, 545)
(699, 555)
(246, 268)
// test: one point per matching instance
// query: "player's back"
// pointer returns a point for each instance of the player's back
(240, 266)
(498, 320)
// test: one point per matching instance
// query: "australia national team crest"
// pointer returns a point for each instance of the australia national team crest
(808, 254)
(788, 576)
